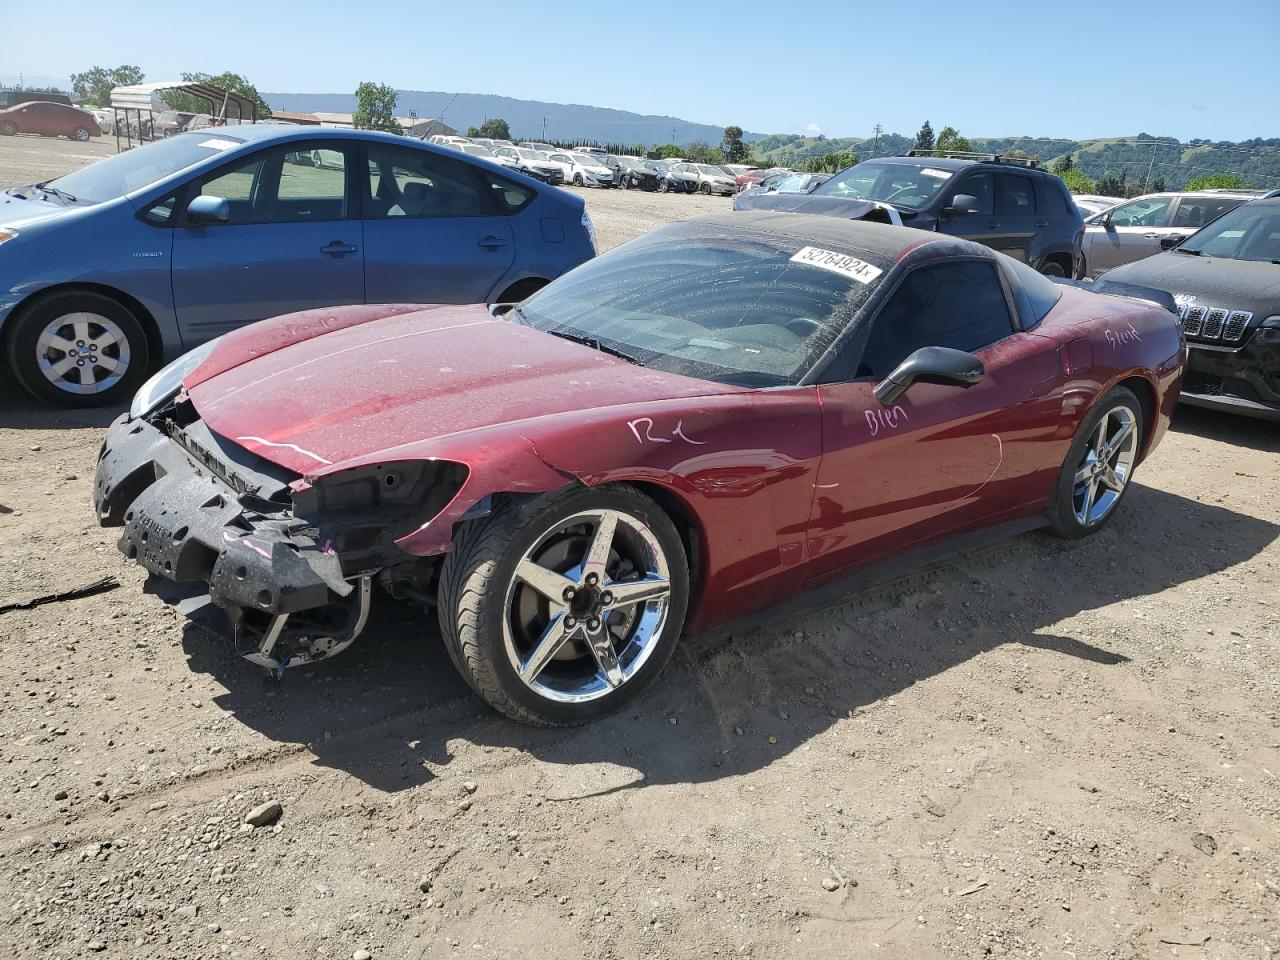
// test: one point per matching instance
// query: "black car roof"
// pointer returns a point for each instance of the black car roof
(879, 238)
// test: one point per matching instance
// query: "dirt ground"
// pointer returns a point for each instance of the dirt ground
(1046, 750)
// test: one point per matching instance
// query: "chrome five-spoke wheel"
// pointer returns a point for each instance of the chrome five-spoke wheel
(1108, 461)
(586, 604)
(560, 608)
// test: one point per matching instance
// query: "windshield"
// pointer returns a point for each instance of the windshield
(530, 155)
(905, 184)
(476, 150)
(1249, 232)
(731, 306)
(710, 171)
(136, 168)
(587, 160)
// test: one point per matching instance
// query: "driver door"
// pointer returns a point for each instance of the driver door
(943, 458)
(1127, 233)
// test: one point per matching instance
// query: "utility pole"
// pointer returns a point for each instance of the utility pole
(875, 149)
(544, 128)
(673, 133)
(1150, 164)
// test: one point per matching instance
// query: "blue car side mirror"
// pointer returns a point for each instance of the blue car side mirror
(209, 210)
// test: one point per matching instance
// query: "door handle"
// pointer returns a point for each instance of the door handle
(493, 243)
(992, 224)
(337, 248)
(1042, 223)
(1151, 236)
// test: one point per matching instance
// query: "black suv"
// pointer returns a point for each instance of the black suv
(1007, 203)
(1226, 281)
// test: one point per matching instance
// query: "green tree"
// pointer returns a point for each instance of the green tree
(665, 151)
(95, 83)
(734, 150)
(1063, 165)
(925, 139)
(829, 162)
(1077, 182)
(700, 152)
(231, 82)
(376, 108)
(949, 139)
(495, 128)
(1214, 181)
(1157, 185)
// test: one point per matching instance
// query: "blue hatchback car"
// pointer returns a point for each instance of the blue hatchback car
(108, 271)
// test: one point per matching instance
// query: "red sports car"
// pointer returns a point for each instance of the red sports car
(723, 415)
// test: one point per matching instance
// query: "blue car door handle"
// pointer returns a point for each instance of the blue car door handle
(493, 243)
(337, 248)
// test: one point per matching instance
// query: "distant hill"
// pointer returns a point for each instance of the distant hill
(564, 121)
(1256, 161)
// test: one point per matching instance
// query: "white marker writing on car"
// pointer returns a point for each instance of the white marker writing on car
(1127, 335)
(878, 420)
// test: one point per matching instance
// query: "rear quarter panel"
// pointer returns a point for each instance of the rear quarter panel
(1104, 340)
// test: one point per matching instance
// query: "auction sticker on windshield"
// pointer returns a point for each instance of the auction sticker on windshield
(840, 263)
(937, 174)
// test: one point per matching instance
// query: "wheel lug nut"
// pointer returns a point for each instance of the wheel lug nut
(606, 598)
(592, 579)
(593, 624)
(570, 622)
(569, 594)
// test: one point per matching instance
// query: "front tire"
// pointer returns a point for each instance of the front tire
(561, 609)
(577, 179)
(663, 186)
(706, 189)
(79, 350)
(81, 135)
(1099, 464)
(1052, 268)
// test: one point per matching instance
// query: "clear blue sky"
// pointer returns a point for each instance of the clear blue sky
(1078, 69)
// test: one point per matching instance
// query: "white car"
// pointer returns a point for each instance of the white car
(479, 150)
(582, 169)
(711, 179)
(1088, 204)
(534, 161)
(444, 140)
(544, 147)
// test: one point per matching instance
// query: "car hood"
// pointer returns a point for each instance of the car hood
(804, 203)
(321, 394)
(1212, 281)
(15, 211)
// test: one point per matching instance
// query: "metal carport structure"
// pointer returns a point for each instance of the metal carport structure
(136, 99)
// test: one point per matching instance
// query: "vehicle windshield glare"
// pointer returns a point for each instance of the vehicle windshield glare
(476, 150)
(1249, 232)
(587, 160)
(710, 171)
(728, 306)
(530, 154)
(905, 184)
(136, 168)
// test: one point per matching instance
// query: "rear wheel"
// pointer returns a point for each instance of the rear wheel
(1095, 475)
(7, 129)
(79, 350)
(663, 186)
(561, 609)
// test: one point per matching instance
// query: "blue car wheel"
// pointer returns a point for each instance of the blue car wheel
(79, 350)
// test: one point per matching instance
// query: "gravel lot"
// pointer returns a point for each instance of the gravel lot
(1046, 750)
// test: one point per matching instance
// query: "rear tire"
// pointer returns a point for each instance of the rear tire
(7, 129)
(111, 351)
(663, 186)
(1101, 458)
(576, 652)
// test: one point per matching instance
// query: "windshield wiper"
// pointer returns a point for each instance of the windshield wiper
(45, 188)
(595, 344)
(1189, 253)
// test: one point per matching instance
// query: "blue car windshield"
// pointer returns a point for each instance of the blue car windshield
(136, 168)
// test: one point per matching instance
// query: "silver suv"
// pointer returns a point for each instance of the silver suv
(1133, 230)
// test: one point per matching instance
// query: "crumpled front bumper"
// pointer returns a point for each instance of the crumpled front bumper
(191, 518)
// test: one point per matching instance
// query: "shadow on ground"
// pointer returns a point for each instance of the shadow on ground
(20, 411)
(1248, 432)
(394, 700)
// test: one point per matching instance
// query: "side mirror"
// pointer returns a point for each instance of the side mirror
(209, 210)
(931, 364)
(962, 203)
(1171, 241)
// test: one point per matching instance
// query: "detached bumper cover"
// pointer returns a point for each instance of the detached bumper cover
(186, 521)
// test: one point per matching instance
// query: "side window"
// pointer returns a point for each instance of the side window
(1149, 212)
(960, 305)
(239, 185)
(289, 185)
(1053, 196)
(978, 185)
(1017, 196)
(507, 197)
(417, 184)
(1195, 213)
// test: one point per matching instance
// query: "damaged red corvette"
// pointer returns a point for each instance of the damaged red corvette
(724, 416)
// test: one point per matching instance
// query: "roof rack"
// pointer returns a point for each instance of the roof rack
(980, 157)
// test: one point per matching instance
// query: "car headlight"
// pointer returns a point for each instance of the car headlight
(588, 226)
(165, 383)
